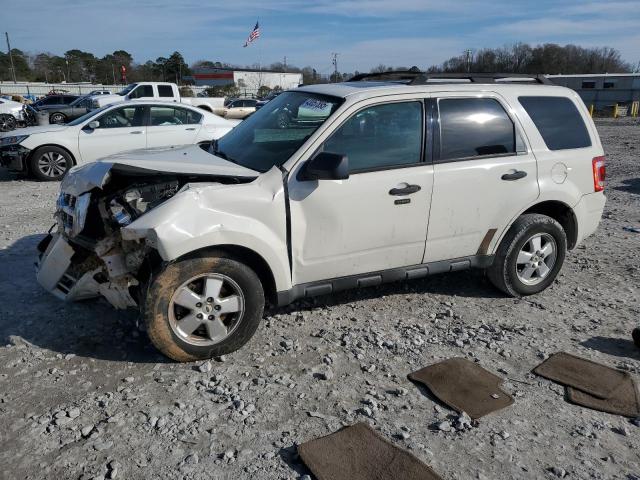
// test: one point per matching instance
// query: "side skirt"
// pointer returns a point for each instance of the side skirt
(324, 287)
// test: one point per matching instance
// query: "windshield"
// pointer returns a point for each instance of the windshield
(87, 116)
(274, 133)
(127, 89)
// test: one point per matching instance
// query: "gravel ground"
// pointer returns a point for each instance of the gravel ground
(83, 394)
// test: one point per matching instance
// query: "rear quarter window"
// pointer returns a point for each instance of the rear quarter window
(558, 121)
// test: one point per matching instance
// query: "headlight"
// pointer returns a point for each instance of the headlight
(72, 212)
(80, 210)
(14, 140)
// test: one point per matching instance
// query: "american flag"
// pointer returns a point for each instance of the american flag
(255, 33)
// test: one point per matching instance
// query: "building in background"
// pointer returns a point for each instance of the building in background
(245, 79)
(602, 90)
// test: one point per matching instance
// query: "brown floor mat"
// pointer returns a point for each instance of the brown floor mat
(590, 377)
(359, 453)
(623, 401)
(464, 386)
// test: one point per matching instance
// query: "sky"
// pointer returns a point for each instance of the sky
(364, 33)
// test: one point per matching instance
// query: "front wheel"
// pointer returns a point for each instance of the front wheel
(530, 256)
(50, 163)
(58, 118)
(7, 123)
(201, 308)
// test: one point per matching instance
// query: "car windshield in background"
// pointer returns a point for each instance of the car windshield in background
(87, 116)
(272, 134)
(127, 89)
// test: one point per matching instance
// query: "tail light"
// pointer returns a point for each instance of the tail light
(599, 173)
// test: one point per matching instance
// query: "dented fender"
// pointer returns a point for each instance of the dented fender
(209, 215)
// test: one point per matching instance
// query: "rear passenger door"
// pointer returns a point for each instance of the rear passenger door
(484, 175)
(172, 126)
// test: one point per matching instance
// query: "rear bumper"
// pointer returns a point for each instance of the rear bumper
(588, 213)
(14, 157)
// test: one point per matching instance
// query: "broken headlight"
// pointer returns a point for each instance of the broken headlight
(71, 212)
(134, 202)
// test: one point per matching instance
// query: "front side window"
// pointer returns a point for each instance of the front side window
(558, 121)
(588, 84)
(270, 136)
(142, 91)
(162, 116)
(474, 127)
(165, 91)
(122, 117)
(381, 136)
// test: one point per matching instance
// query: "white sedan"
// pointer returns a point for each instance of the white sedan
(48, 152)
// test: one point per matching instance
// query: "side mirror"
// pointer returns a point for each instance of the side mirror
(326, 166)
(93, 124)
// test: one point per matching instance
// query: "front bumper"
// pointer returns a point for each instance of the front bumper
(14, 157)
(72, 273)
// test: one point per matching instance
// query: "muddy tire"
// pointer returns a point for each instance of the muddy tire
(530, 256)
(203, 307)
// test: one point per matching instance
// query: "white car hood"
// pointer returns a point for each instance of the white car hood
(37, 129)
(182, 160)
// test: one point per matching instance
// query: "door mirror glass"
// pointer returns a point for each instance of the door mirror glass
(326, 166)
(94, 124)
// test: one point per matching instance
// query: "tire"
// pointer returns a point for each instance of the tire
(58, 118)
(171, 311)
(523, 266)
(50, 163)
(636, 336)
(7, 122)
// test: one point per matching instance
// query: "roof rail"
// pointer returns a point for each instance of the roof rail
(482, 77)
(413, 77)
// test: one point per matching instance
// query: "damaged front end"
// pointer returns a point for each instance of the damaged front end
(86, 256)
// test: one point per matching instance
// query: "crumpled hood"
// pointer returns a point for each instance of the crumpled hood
(184, 160)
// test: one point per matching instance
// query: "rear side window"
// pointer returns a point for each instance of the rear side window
(558, 121)
(165, 91)
(473, 127)
(142, 91)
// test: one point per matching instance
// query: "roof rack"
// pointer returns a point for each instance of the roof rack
(412, 77)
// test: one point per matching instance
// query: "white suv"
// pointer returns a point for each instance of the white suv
(330, 187)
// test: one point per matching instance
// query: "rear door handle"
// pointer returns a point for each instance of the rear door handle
(516, 175)
(406, 190)
(137, 132)
(190, 128)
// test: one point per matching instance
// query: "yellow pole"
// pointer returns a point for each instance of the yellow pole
(591, 110)
(615, 111)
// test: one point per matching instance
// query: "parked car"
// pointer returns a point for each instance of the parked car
(240, 108)
(65, 113)
(10, 114)
(55, 100)
(366, 183)
(48, 152)
(159, 91)
(263, 101)
(100, 92)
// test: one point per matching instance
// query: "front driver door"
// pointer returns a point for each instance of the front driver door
(120, 129)
(377, 218)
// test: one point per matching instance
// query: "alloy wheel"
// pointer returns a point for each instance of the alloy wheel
(536, 259)
(206, 309)
(52, 164)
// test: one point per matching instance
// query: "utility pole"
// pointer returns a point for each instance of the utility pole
(468, 56)
(335, 66)
(285, 63)
(13, 69)
(66, 59)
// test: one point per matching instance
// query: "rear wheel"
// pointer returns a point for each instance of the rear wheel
(530, 256)
(58, 118)
(50, 163)
(7, 123)
(203, 307)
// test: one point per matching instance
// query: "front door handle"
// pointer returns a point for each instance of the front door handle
(406, 190)
(190, 128)
(515, 175)
(137, 132)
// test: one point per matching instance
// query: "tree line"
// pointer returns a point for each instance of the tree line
(79, 66)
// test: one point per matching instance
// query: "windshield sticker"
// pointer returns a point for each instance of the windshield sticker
(315, 107)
